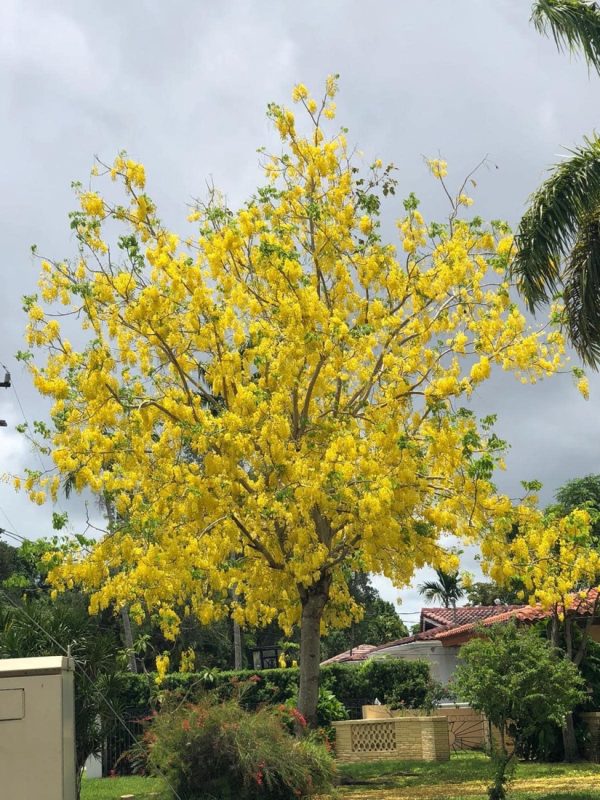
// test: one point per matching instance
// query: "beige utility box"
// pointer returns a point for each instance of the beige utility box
(37, 729)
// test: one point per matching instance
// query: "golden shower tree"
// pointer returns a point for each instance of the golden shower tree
(279, 396)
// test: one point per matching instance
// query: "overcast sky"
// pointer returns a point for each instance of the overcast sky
(183, 86)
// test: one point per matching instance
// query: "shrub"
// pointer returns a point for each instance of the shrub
(543, 744)
(426, 696)
(520, 683)
(219, 750)
(408, 685)
(406, 682)
(329, 710)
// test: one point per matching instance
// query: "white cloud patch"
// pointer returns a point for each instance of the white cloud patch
(43, 40)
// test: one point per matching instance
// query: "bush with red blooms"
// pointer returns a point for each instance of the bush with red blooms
(217, 749)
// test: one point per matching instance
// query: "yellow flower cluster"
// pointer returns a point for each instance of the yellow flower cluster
(162, 667)
(439, 168)
(276, 397)
(187, 661)
(92, 204)
(583, 386)
(552, 556)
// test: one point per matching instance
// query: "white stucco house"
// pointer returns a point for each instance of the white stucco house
(442, 633)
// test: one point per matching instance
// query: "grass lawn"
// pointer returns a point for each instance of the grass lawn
(463, 777)
(113, 788)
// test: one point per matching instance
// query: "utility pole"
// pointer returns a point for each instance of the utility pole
(5, 384)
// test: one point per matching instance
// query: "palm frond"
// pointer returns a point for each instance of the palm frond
(447, 588)
(549, 227)
(582, 290)
(431, 588)
(432, 591)
(573, 24)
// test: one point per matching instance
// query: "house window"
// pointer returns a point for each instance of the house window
(265, 657)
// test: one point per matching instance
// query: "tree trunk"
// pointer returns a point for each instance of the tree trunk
(128, 637)
(569, 738)
(554, 631)
(78, 780)
(313, 602)
(568, 729)
(237, 646)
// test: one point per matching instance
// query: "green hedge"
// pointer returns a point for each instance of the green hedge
(382, 679)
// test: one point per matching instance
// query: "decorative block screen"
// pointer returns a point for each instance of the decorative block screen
(367, 738)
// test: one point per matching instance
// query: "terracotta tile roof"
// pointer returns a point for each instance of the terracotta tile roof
(422, 636)
(358, 653)
(451, 634)
(463, 615)
(586, 604)
(444, 618)
(520, 613)
(525, 614)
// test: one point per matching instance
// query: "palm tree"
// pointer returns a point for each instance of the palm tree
(447, 588)
(573, 24)
(558, 239)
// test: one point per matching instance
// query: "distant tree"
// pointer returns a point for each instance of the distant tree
(582, 493)
(380, 622)
(555, 556)
(8, 560)
(520, 682)
(486, 593)
(211, 644)
(447, 589)
(26, 567)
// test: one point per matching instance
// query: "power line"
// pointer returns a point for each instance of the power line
(11, 384)
(5, 384)
(14, 388)
(13, 535)
(7, 518)
(23, 414)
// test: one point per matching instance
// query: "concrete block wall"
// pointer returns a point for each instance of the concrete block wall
(406, 738)
(468, 729)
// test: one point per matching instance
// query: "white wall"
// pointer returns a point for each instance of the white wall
(442, 660)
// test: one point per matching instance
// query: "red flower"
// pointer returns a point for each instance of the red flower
(299, 717)
(254, 679)
(259, 778)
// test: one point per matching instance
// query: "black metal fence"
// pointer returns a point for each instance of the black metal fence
(354, 705)
(119, 751)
